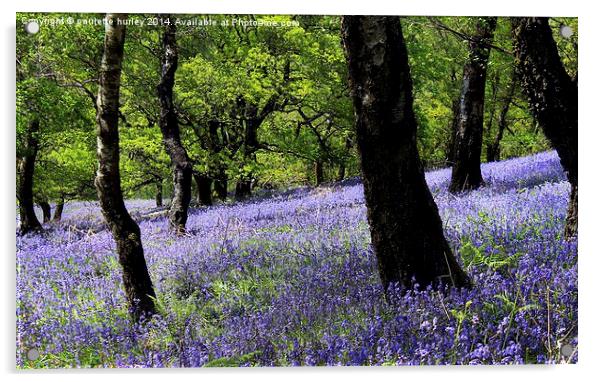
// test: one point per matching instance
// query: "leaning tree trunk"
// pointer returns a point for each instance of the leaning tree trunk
(181, 165)
(406, 230)
(58, 210)
(552, 96)
(126, 233)
(45, 206)
(27, 213)
(468, 140)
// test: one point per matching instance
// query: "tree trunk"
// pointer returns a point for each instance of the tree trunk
(319, 172)
(27, 213)
(493, 150)
(250, 146)
(181, 166)
(552, 96)
(126, 233)
(217, 167)
(58, 210)
(342, 169)
(406, 230)
(243, 188)
(45, 206)
(203, 185)
(159, 194)
(570, 229)
(468, 143)
(220, 185)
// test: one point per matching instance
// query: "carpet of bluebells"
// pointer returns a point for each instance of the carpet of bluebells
(292, 280)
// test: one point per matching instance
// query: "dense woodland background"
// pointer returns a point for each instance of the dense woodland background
(268, 106)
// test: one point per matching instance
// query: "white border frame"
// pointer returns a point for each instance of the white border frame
(590, 261)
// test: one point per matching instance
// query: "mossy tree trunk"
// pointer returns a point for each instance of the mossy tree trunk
(126, 233)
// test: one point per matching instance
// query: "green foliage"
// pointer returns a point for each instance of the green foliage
(493, 258)
(50, 82)
(227, 74)
(436, 58)
(234, 361)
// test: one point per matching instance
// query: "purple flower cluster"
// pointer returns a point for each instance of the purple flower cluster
(292, 280)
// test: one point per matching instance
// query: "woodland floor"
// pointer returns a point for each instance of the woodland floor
(291, 280)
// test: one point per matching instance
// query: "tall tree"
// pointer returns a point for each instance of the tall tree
(468, 126)
(126, 233)
(203, 188)
(252, 117)
(406, 230)
(552, 96)
(27, 214)
(181, 165)
(493, 148)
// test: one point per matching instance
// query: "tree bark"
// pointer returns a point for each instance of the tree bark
(468, 142)
(405, 227)
(570, 229)
(27, 214)
(319, 172)
(552, 96)
(203, 185)
(159, 194)
(46, 213)
(126, 233)
(58, 210)
(168, 122)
